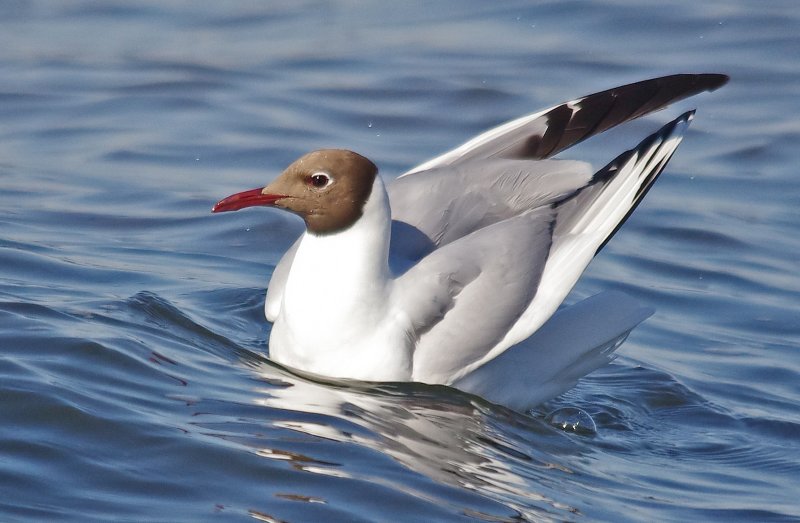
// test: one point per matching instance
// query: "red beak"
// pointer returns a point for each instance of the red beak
(244, 199)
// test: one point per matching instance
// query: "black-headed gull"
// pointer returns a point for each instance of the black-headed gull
(452, 273)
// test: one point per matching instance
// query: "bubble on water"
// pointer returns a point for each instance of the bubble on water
(571, 419)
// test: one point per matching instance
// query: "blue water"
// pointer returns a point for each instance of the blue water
(133, 380)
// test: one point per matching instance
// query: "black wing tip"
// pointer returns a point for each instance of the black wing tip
(661, 135)
(607, 172)
(687, 117)
(702, 81)
(698, 81)
(679, 85)
(715, 80)
(568, 125)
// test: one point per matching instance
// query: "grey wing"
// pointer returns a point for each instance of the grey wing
(451, 202)
(546, 133)
(469, 293)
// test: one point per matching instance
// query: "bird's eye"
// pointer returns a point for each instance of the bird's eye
(319, 180)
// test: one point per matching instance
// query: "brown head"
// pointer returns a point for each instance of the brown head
(327, 188)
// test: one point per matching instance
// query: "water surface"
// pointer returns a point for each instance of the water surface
(133, 379)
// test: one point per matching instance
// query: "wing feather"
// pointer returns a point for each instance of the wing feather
(448, 203)
(467, 294)
(528, 264)
(546, 133)
(587, 221)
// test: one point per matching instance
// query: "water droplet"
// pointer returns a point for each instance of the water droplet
(571, 419)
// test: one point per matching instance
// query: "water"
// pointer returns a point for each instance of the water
(133, 384)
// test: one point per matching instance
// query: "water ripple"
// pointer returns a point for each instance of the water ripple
(133, 379)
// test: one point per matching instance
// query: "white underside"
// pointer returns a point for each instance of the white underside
(336, 316)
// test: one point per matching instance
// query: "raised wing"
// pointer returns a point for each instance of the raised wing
(496, 286)
(546, 133)
(587, 221)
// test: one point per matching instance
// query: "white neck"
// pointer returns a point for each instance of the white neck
(347, 271)
(336, 317)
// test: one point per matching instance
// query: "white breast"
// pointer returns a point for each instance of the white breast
(336, 316)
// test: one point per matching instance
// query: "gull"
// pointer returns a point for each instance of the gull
(454, 272)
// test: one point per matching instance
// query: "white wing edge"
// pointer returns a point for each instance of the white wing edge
(483, 138)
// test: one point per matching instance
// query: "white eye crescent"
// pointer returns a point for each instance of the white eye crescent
(319, 180)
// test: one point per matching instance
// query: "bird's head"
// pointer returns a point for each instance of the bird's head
(327, 188)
